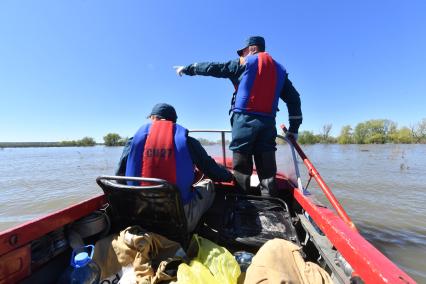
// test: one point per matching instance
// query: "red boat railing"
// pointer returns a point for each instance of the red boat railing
(368, 263)
(327, 191)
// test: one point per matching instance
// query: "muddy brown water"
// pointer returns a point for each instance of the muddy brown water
(382, 188)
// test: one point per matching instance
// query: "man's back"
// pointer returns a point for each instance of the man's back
(260, 86)
(162, 149)
(159, 150)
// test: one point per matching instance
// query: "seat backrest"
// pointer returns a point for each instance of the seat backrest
(156, 207)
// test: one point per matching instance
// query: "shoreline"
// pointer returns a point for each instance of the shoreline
(4, 145)
(39, 145)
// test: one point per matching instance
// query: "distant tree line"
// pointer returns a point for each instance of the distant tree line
(114, 139)
(111, 139)
(28, 144)
(206, 142)
(375, 131)
(86, 141)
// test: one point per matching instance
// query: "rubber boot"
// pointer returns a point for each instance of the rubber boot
(266, 168)
(242, 165)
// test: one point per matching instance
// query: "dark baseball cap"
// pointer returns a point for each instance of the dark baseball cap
(164, 111)
(253, 40)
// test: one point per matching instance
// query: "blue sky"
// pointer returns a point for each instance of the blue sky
(70, 69)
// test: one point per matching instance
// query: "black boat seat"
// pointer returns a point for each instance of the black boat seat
(251, 221)
(156, 207)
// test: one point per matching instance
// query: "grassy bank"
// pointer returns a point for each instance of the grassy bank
(28, 144)
(38, 144)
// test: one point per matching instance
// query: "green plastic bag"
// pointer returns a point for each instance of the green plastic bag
(220, 265)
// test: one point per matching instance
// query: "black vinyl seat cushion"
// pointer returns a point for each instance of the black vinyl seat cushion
(156, 207)
(253, 220)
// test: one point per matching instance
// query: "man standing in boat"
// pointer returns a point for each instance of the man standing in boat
(259, 82)
(162, 149)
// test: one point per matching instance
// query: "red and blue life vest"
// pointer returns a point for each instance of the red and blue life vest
(159, 150)
(260, 85)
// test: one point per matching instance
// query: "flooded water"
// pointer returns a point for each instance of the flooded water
(382, 188)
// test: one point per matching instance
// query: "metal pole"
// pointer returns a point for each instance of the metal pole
(223, 148)
(222, 132)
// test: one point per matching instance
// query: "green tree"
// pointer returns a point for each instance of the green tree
(325, 137)
(68, 143)
(307, 137)
(123, 141)
(419, 132)
(86, 141)
(392, 135)
(112, 139)
(376, 138)
(346, 135)
(403, 136)
(360, 133)
(374, 131)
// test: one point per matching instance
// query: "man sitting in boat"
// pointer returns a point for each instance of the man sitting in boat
(162, 149)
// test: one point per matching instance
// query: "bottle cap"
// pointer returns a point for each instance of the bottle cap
(81, 259)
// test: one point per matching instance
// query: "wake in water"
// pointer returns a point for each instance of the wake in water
(382, 236)
(402, 243)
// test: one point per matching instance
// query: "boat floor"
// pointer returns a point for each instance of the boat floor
(212, 224)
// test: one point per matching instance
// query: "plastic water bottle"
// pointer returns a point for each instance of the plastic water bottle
(83, 269)
(244, 259)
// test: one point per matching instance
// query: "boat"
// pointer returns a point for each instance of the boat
(39, 251)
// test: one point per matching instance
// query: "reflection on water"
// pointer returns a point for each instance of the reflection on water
(382, 187)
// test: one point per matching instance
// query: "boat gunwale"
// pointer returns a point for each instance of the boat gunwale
(368, 262)
(22, 234)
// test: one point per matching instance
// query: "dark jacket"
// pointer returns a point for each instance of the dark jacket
(199, 157)
(234, 69)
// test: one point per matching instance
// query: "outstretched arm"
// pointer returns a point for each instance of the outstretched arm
(231, 69)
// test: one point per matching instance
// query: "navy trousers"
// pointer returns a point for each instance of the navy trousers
(252, 134)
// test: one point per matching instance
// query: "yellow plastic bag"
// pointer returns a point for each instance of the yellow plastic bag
(195, 273)
(218, 262)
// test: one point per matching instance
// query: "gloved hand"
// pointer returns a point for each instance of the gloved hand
(289, 134)
(179, 70)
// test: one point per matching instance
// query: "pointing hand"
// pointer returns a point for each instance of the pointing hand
(179, 70)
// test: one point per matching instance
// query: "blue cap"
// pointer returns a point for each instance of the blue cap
(253, 40)
(81, 259)
(164, 111)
